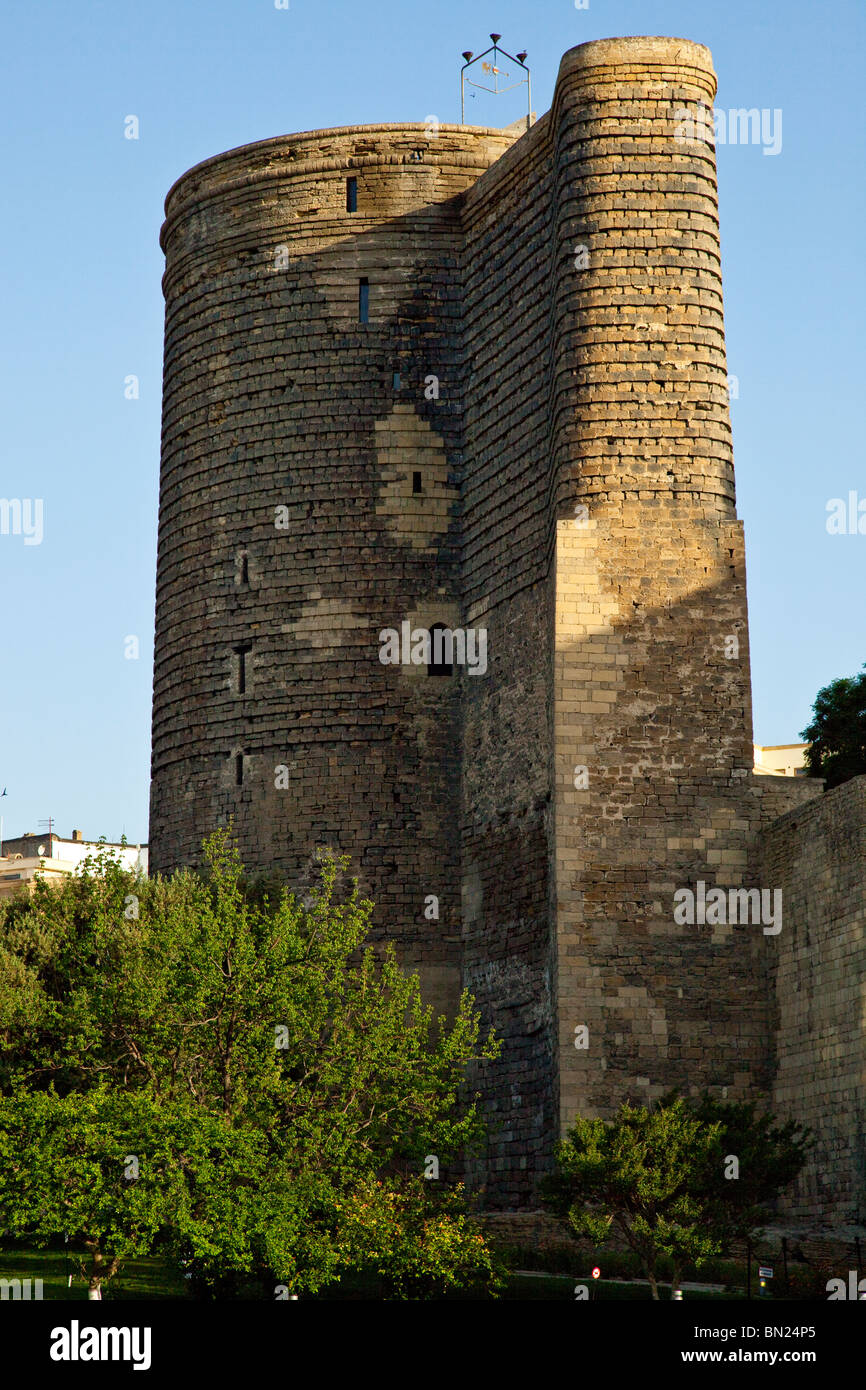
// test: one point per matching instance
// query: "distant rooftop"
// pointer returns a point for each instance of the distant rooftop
(781, 759)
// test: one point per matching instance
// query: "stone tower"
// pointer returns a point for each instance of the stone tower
(477, 378)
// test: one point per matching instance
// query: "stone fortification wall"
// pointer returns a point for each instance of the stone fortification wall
(815, 855)
(309, 498)
(439, 374)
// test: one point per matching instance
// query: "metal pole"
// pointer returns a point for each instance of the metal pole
(471, 60)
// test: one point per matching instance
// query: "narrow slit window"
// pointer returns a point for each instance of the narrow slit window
(364, 301)
(241, 652)
(441, 651)
(245, 569)
(351, 195)
(395, 383)
(416, 482)
(239, 769)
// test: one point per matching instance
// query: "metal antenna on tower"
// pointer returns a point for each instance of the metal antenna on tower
(493, 70)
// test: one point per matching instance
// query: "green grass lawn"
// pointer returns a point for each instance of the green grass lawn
(152, 1278)
(148, 1278)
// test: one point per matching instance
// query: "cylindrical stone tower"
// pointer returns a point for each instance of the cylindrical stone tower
(420, 375)
(652, 682)
(311, 460)
(640, 371)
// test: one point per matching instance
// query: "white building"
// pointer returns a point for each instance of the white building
(51, 856)
(781, 759)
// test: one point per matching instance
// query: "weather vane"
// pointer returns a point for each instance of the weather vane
(492, 69)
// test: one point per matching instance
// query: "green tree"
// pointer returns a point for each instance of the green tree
(632, 1174)
(736, 1198)
(274, 1076)
(837, 732)
(69, 1164)
(666, 1180)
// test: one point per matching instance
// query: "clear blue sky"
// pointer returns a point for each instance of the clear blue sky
(83, 309)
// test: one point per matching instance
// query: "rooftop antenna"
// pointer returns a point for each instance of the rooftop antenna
(49, 821)
(492, 69)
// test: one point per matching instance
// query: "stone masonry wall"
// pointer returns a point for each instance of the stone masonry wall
(652, 683)
(600, 491)
(278, 396)
(815, 854)
(527, 433)
(507, 588)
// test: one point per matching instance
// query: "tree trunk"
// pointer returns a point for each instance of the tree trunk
(99, 1271)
